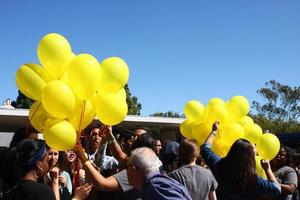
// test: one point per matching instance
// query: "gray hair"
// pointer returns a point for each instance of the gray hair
(145, 159)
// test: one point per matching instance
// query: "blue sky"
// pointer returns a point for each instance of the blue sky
(176, 50)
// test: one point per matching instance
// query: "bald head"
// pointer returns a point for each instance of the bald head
(145, 159)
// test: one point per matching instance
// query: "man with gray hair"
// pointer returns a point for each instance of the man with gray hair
(143, 174)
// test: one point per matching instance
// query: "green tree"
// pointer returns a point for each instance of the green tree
(280, 111)
(167, 114)
(22, 101)
(134, 107)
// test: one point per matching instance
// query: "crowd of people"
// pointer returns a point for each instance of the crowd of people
(132, 164)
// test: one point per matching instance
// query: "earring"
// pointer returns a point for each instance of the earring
(39, 171)
(35, 174)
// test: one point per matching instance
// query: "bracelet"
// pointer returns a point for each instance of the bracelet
(111, 141)
(214, 133)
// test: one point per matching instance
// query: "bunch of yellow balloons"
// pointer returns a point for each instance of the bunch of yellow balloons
(69, 90)
(234, 124)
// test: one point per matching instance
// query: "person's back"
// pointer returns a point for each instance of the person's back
(30, 190)
(198, 180)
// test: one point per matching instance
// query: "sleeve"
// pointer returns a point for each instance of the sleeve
(122, 179)
(290, 177)
(209, 156)
(214, 183)
(267, 187)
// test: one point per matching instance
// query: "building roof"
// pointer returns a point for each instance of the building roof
(11, 119)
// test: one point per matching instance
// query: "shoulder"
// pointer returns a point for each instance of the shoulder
(160, 185)
(157, 180)
(285, 171)
(267, 187)
(39, 190)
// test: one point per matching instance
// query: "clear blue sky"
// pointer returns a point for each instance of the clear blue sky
(176, 50)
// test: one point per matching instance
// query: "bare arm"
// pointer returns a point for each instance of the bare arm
(288, 188)
(212, 195)
(265, 164)
(100, 183)
(113, 144)
(212, 135)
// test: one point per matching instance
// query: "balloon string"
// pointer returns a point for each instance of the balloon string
(76, 174)
(80, 121)
(35, 112)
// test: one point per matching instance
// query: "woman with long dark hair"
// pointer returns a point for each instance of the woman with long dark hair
(25, 163)
(236, 173)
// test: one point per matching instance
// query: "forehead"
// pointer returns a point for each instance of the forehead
(95, 130)
(52, 151)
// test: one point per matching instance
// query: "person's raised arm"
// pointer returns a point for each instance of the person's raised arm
(265, 164)
(100, 183)
(209, 140)
(115, 147)
(207, 154)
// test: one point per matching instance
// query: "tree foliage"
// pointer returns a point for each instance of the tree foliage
(134, 107)
(167, 114)
(280, 111)
(22, 101)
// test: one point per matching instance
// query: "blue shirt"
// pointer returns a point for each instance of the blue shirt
(224, 192)
(159, 187)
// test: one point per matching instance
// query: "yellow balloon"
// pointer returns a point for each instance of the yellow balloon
(268, 146)
(194, 111)
(231, 133)
(260, 171)
(253, 132)
(200, 132)
(38, 116)
(83, 75)
(54, 53)
(111, 108)
(83, 114)
(186, 129)
(114, 74)
(245, 120)
(61, 136)
(122, 93)
(58, 99)
(238, 107)
(43, 74)
(220, 148)
(30, 83)
(215, 101)
(217, 113)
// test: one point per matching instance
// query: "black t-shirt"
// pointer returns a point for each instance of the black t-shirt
(30, 190)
